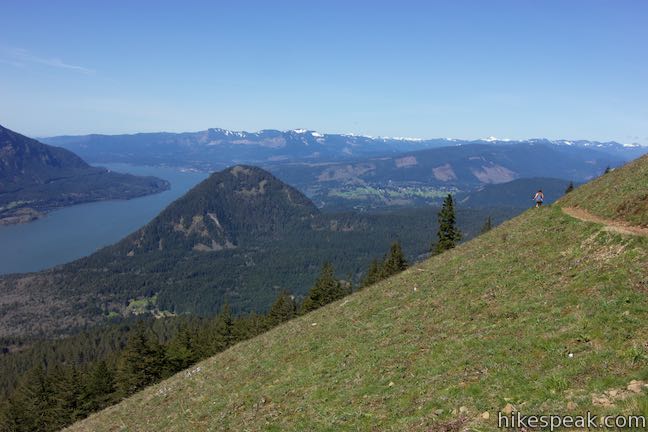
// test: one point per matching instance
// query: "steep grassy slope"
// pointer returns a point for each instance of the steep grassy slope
(545, 313)
(621, 194)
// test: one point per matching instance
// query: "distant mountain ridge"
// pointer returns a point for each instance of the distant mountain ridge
(342, 171)
(423, 176)
(36, 177)
(216, 148)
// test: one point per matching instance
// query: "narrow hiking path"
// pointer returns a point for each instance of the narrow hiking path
(610, 225)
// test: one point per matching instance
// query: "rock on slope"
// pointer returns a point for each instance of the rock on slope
(544, 314)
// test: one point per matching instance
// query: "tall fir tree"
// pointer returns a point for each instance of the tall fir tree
(326, 290)
(32, 406)
(217, 335)
(488, 225)
(570, 187)
(181, 351)
(248, 326)
(394, 262)
(223, 329)
(67, 395)
(283, 309)
(140, 364)
(448, 234)
(99, 387)
(374, 273)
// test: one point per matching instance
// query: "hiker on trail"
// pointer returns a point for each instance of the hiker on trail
(538, 198)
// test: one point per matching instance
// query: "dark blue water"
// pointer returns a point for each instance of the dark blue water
(73, 232)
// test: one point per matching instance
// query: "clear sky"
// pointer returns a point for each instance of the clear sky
(463, 69)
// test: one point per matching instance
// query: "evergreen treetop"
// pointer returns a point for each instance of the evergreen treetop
(283, 309)
(570, 187)
(488, 225)
(326, 290)
(448, 234)
(394, 262)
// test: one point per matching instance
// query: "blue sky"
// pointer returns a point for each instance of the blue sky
(463, 69)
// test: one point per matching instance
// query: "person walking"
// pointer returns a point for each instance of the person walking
(538, 198)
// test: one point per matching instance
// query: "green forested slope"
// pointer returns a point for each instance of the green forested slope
(543, 314)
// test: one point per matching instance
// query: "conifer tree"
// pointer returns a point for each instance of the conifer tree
(99, 388)
(217, 335)
(31, 407)
(326, 290)
(283, 309)
(394, 262)
(488, 225)
(140, 364)
(246, 327)
(374, 274)
(66, 395)
(223, 329)
(570, 187)
(448, 234)
(180, 351)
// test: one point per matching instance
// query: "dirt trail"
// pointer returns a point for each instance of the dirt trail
(610, 225)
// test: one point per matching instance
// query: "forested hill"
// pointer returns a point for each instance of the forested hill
(230, 206)
(239, 237)
(36, 177)
(25, 161)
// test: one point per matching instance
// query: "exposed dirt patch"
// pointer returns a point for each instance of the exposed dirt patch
(405, 162)
(238, 169)
(455, 425)
(493, 174)
(346, 172)
(197, 227)
(444, 173)
(609, 397)
(610, 225)
(215, 246)
(21, 215)
(254, 191)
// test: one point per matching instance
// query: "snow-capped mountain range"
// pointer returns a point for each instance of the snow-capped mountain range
(213, 148)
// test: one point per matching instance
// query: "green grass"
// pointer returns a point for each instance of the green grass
(491, 322)
(620, 194)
